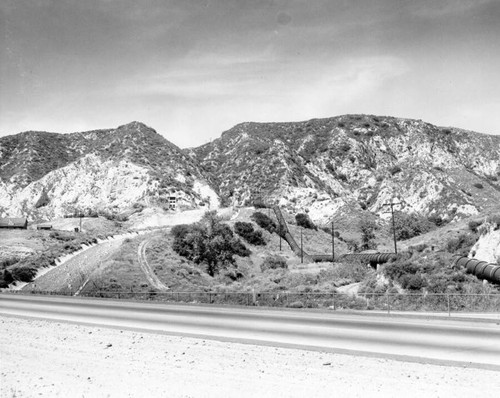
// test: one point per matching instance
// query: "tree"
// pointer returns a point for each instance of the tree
(303, 220)
(208, 242)
(367, 228)
(410, 225)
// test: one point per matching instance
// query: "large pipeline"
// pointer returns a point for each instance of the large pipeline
(481, 269)
(372, 259)
(285, 233)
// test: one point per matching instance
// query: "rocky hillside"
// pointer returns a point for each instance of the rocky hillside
(353, 163)
(326, 167)
(46, 175)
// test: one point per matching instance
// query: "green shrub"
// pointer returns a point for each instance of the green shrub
(345, 147)
(474, 224)
(7, 262)
(264, 221)
(395, 169)
(412, 282)
(410, 225)
(352, 245)
(62, 236)
(304, 221)
(367, 228)
(478, 185)
(5, 279)
(247, 232)
(273, 262)
(23, 274)
(436, 220)
(494, 220)
(397, 269)
(461, 244)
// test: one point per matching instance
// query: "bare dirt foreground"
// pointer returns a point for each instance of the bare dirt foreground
(41, 358)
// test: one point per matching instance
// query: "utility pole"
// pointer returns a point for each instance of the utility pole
(280, 233)
(333, 244)
(301, 248)
(392, 204)
(81, 216)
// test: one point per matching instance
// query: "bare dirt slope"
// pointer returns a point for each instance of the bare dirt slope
(41, 358)
(71, 275)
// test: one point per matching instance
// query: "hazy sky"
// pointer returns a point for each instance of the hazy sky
(192, 69)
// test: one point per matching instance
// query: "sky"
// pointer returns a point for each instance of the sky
(192, 69)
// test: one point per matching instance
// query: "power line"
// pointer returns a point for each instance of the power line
(392, 204)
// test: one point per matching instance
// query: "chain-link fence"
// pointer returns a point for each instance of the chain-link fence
(448, 303)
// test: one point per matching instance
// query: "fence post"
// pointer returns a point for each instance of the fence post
(388, 304)
(449, 309)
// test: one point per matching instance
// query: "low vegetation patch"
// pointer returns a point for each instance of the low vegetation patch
(462, 244)
(304, 221)
(263, 221)
(273, 262)
(410, 225)
(247, 232)
(433, 273)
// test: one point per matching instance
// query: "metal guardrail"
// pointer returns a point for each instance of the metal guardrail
(436, 302)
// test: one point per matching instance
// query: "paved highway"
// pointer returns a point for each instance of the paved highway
(447, 342)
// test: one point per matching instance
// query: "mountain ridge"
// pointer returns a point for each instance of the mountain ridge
(327, 166)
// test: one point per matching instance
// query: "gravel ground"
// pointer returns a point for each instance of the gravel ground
(41, 358)
(70, 275)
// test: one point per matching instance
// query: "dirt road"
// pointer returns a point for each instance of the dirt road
(151, 277)
(69, 276)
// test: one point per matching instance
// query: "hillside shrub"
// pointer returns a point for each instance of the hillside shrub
(5, 279)
(352, 245)
(494, 220)
(461, 244)
(62, 236)
(410, 225)
(345, 147)
(7, 262)
(263, 221)
(304, 221)
(436, 220)
(395, 169)
(478, 185)
(474, 224)
(259, 204)
(412, 282)
(342, 177)
(367, 228)
(273, 262)
(247, 232)
(23, 274)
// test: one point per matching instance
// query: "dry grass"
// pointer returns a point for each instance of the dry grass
(121, 272)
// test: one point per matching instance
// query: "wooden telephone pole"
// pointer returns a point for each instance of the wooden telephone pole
(301, 248)
(392, 204)
(333, 243)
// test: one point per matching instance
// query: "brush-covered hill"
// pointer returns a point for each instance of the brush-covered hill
(353, 163)
(46, 175)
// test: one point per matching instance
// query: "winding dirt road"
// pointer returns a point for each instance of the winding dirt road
(151, 277)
